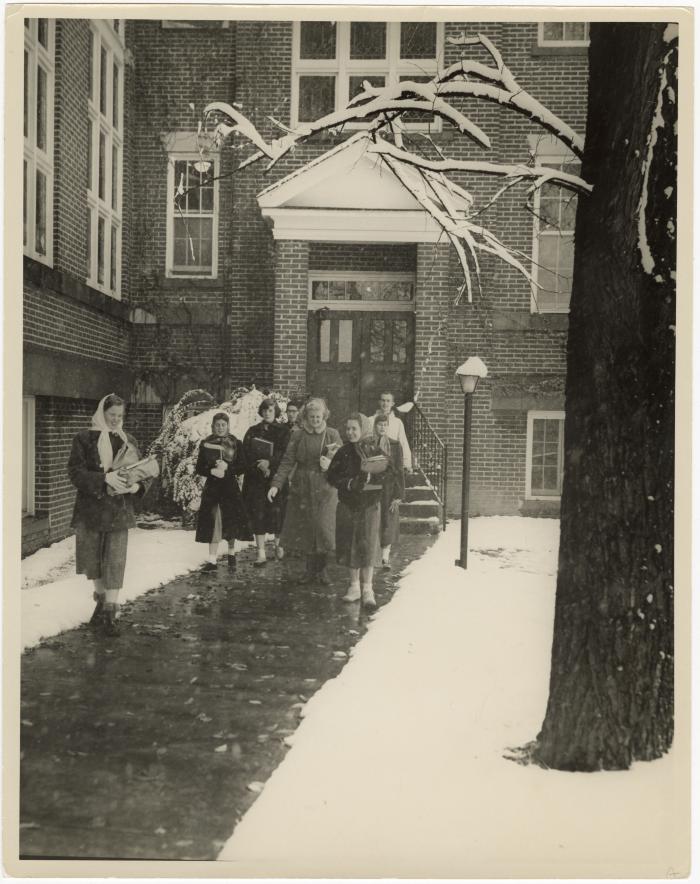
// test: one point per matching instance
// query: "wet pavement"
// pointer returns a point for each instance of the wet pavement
(146, 746)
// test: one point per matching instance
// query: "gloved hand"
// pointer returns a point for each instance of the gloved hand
(115, 484)
(272, 493)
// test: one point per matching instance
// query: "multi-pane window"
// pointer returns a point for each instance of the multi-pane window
(545, 454)
(37, 170)
(332, 59)
(193, 216)
(105, 149)
(553, 241)
(28, 423)
(357, 290)
(563, 33)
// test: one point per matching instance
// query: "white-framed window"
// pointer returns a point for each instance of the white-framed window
(563, 33)
(28, 436)
(545, 455)
(37, 212)
(356, 290)
(554, 221)
(105, 153)
(192, 243)
(332, 59)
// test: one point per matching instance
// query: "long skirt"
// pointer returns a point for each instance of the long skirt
(357, 536)
(389, 526)
(101, 555)
(265, 517)
(309, 520)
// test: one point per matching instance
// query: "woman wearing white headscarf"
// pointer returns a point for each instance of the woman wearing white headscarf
(104, 509)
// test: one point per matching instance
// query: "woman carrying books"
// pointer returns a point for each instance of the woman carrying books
(309, 521)
(358, 472)
(99, 466)
(263, 447)
(222, 513)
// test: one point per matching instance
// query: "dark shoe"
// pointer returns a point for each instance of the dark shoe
(96, 618)
(210, 566)
(324, 578)
(110, 622)
(386, 566)
(260, 563)
(309, 575)
(232, 564)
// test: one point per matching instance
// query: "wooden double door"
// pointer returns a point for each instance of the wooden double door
(354, 356)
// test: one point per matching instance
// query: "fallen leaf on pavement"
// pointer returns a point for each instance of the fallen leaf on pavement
(256, 787)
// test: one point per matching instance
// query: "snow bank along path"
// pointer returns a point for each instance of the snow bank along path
(155, 557)
(398, 769)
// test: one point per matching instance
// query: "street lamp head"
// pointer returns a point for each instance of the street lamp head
(469, 373)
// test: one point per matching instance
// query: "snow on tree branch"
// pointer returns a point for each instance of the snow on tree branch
(381, 109)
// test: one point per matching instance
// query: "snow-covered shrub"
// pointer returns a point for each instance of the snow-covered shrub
(178, 441)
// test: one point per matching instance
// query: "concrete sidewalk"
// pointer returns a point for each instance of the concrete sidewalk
(147, 746)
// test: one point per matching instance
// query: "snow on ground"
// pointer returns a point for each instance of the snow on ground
(53, 602)
(398, 768)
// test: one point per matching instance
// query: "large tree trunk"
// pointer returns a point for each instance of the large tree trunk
(611, 687)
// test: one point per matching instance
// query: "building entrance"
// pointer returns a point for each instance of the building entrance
(353, 356)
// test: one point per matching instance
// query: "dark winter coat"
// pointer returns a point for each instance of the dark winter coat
(265, 517)
(94, 508)
(224, 493)
(394, 489)
(309, 522)
(358, 516)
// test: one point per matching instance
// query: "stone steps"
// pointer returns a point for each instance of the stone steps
(420, 512)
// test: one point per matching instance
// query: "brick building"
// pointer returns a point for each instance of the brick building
(323, 274)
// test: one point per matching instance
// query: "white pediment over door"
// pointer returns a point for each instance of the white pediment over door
(349, 194)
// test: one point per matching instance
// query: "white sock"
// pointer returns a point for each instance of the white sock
(213, 559)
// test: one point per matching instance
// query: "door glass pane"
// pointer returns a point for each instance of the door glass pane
(316, 97)
(336, 290)
(317, 39)
(103, 80)
(41, 96)
(40, 216)
(370, 290)
(345, 340)
(101, 250)
(113, 259)
(26, 92)
(367, 39)
(43, 32)
(101, 171)
(324, 341)
(376, 340)
(418, 40)
(398, 341)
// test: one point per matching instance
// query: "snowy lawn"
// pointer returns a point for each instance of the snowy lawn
(397, 768)
(55, 599)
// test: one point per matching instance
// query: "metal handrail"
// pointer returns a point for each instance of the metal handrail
(429, 455)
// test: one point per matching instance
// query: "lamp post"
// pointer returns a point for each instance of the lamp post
(468, 373)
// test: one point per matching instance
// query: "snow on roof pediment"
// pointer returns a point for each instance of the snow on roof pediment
(347, 177)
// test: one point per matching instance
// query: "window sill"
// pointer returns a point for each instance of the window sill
(193, 282)
(540, 51)
(45, 277)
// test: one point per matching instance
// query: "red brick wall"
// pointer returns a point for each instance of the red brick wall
(368, 257)
(291, 298)
(56, 322)
(57, 421)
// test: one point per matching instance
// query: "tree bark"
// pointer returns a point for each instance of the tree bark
(611, 684)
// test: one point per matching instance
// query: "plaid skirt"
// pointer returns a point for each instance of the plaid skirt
(101, 555)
